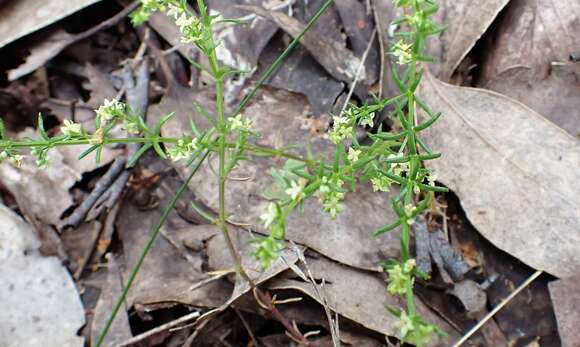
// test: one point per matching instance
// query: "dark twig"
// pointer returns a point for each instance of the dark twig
(102, 185)
(452, 260)
(422, 245)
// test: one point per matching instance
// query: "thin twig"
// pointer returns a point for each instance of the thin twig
(497, 308)
(248, 328)
(102, 185)
(359, 71)
(159, 329)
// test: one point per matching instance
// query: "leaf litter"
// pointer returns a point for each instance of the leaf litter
(185, 254)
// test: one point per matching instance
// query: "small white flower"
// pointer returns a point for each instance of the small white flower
(240, 123)
(402, 51)
(432, 177)
(381, 183)
(353, 154)
(295, 190)
(341, 129)
(3, 156)
(70, 128)
(409, 210)
(270, 215)
(111, 109)
(405, 324)
(17, 159)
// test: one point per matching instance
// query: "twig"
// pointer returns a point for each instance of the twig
(248, 328)
(422, 245)
(102, 185)
(159, 329)
(497, 308)
(359, 71)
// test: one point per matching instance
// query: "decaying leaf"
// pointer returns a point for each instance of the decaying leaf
(22, 17)
(44, 193)
(241, 45)
(40, 304)
(466, 22)
(46, 49)
(513, 171)
(529, 59)
(361, 297)
(284, 118)
(166, 275)
(339, 61)
(566, 299)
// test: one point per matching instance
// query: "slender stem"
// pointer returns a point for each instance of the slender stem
(222, 171)
(68, 142)
(147, 248)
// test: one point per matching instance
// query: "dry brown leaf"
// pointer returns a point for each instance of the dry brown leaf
(47, 48)
(360, 296)
(565, 296)
(528, 59)
(466, 22)
(284, 118)
(338, 60)
(513, 171)
(22, 17)
(166, 275)
(40, 304)
(44, 193)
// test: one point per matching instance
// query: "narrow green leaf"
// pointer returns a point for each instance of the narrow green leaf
(88, 151)
(142, 150)
(386, 228)
(43, 133)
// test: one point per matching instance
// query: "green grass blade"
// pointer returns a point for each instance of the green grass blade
(282, 57)
(146, 250)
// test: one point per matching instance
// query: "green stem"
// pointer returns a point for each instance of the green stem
(65, 142)
(147, 248)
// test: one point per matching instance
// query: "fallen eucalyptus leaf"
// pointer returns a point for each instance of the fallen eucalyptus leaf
(466, 22)
(528, 59)
(513, 171)
(338, 60)
(40, 304)
(22, 17)
(361, 297)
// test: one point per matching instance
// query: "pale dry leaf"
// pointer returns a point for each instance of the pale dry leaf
(283, 118)
(565, 296)
(22, 17)
(514, 173)
(466, 22)
(48, 47)
(336, 59)
(40, 304)
(166, 276)
(361, 297)
(528, 59)
(43, 192)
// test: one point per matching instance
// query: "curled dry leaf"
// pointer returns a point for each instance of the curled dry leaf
(528, 59)
(466, 22)
(41, 192)
(22, 17)
(513, 171)
(338, 60)
(40, 304)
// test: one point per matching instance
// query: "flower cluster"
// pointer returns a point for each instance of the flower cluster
(110, 110)
(342, 128)
(414, 329)
(16, 159)
(400, 277)
(241, 124)
(183, 149)
(403, 51)
(331, 195)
